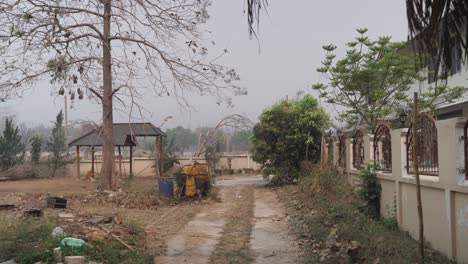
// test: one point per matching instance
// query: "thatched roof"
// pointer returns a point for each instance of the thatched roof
(123, 135)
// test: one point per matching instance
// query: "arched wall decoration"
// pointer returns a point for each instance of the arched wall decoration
(342, 151)
(358, 149)
(427, 153)
(383, 147)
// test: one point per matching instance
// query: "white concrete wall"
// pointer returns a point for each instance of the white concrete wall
(444, 197)
(143, 167)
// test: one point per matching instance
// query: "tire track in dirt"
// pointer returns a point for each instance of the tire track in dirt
(234, 244)
(270, 239)
(195, 241)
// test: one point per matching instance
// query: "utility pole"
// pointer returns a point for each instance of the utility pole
(66, 122)
(416, 172)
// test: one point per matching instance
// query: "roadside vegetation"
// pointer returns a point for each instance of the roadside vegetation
(335, 226)
(30, 240)
(288, 133)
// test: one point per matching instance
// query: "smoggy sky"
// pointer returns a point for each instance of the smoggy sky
(280, 63)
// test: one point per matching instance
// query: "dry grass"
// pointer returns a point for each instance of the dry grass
(234, 245)
(322, 203)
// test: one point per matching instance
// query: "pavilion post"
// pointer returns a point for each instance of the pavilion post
(78, 161)
(161, 156)
(120, 162)
(131, 161)
(92, 160)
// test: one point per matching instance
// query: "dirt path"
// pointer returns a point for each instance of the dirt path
(270, 239)
(248, 226)
(195, 241)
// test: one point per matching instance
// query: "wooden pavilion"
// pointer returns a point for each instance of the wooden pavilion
(124, 135)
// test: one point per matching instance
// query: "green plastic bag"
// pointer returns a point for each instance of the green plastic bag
(72, 245)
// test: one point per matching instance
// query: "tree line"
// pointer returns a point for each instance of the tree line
(23, 145)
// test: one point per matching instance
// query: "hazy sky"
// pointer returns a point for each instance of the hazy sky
(281, 63)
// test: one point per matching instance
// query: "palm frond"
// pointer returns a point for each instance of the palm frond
(436, 27)
(254, 8)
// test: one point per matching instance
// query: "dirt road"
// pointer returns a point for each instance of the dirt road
(243, 223)
(249, 225)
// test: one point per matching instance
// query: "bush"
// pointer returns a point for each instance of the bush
(228, 171)
(326, 181)
(248, 171)
(369, 190)
(287, 133)
(280, 175)
(239, 171)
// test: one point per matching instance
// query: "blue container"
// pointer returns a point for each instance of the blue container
(166, 187)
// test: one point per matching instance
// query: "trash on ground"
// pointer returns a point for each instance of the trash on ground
(7, 206)
(72, 244)
(34, 212)
(66, 215)
(58, 231)
(56, 202)
(100, 220)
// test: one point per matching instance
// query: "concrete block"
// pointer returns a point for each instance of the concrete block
(75, 260)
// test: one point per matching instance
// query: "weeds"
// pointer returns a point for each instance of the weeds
(369, 190)
(324, 203)
(28, 241)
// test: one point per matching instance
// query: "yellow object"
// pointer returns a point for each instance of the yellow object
(190, 186)
(195, 169)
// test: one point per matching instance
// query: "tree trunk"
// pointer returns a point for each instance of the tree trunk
(416, 172)
(107, 170)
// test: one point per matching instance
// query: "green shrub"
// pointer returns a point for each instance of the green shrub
(369, 190)
(280, 175)
(239, 171)
(248, 171)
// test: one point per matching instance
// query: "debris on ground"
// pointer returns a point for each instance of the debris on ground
(75, 245)
(66, 215)
(11, 261)
(58, 253)
(75, 260)
(34, 212)
(100, 220)
(7, 206)
(58, 232)
(56, 202)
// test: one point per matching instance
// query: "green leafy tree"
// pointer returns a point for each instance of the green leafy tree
(36, 148)
(11, 146)
(283, 134)
(56, 145)
(182, 138)
(373, 80)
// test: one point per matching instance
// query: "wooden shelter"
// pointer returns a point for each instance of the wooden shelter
(124, 135)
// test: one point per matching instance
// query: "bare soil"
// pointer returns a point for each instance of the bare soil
(242, 223)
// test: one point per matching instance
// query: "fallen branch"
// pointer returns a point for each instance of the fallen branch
(18, 172)
(116, 238)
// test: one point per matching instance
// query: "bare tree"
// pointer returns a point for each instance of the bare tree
(211, 138)
(110, 50)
